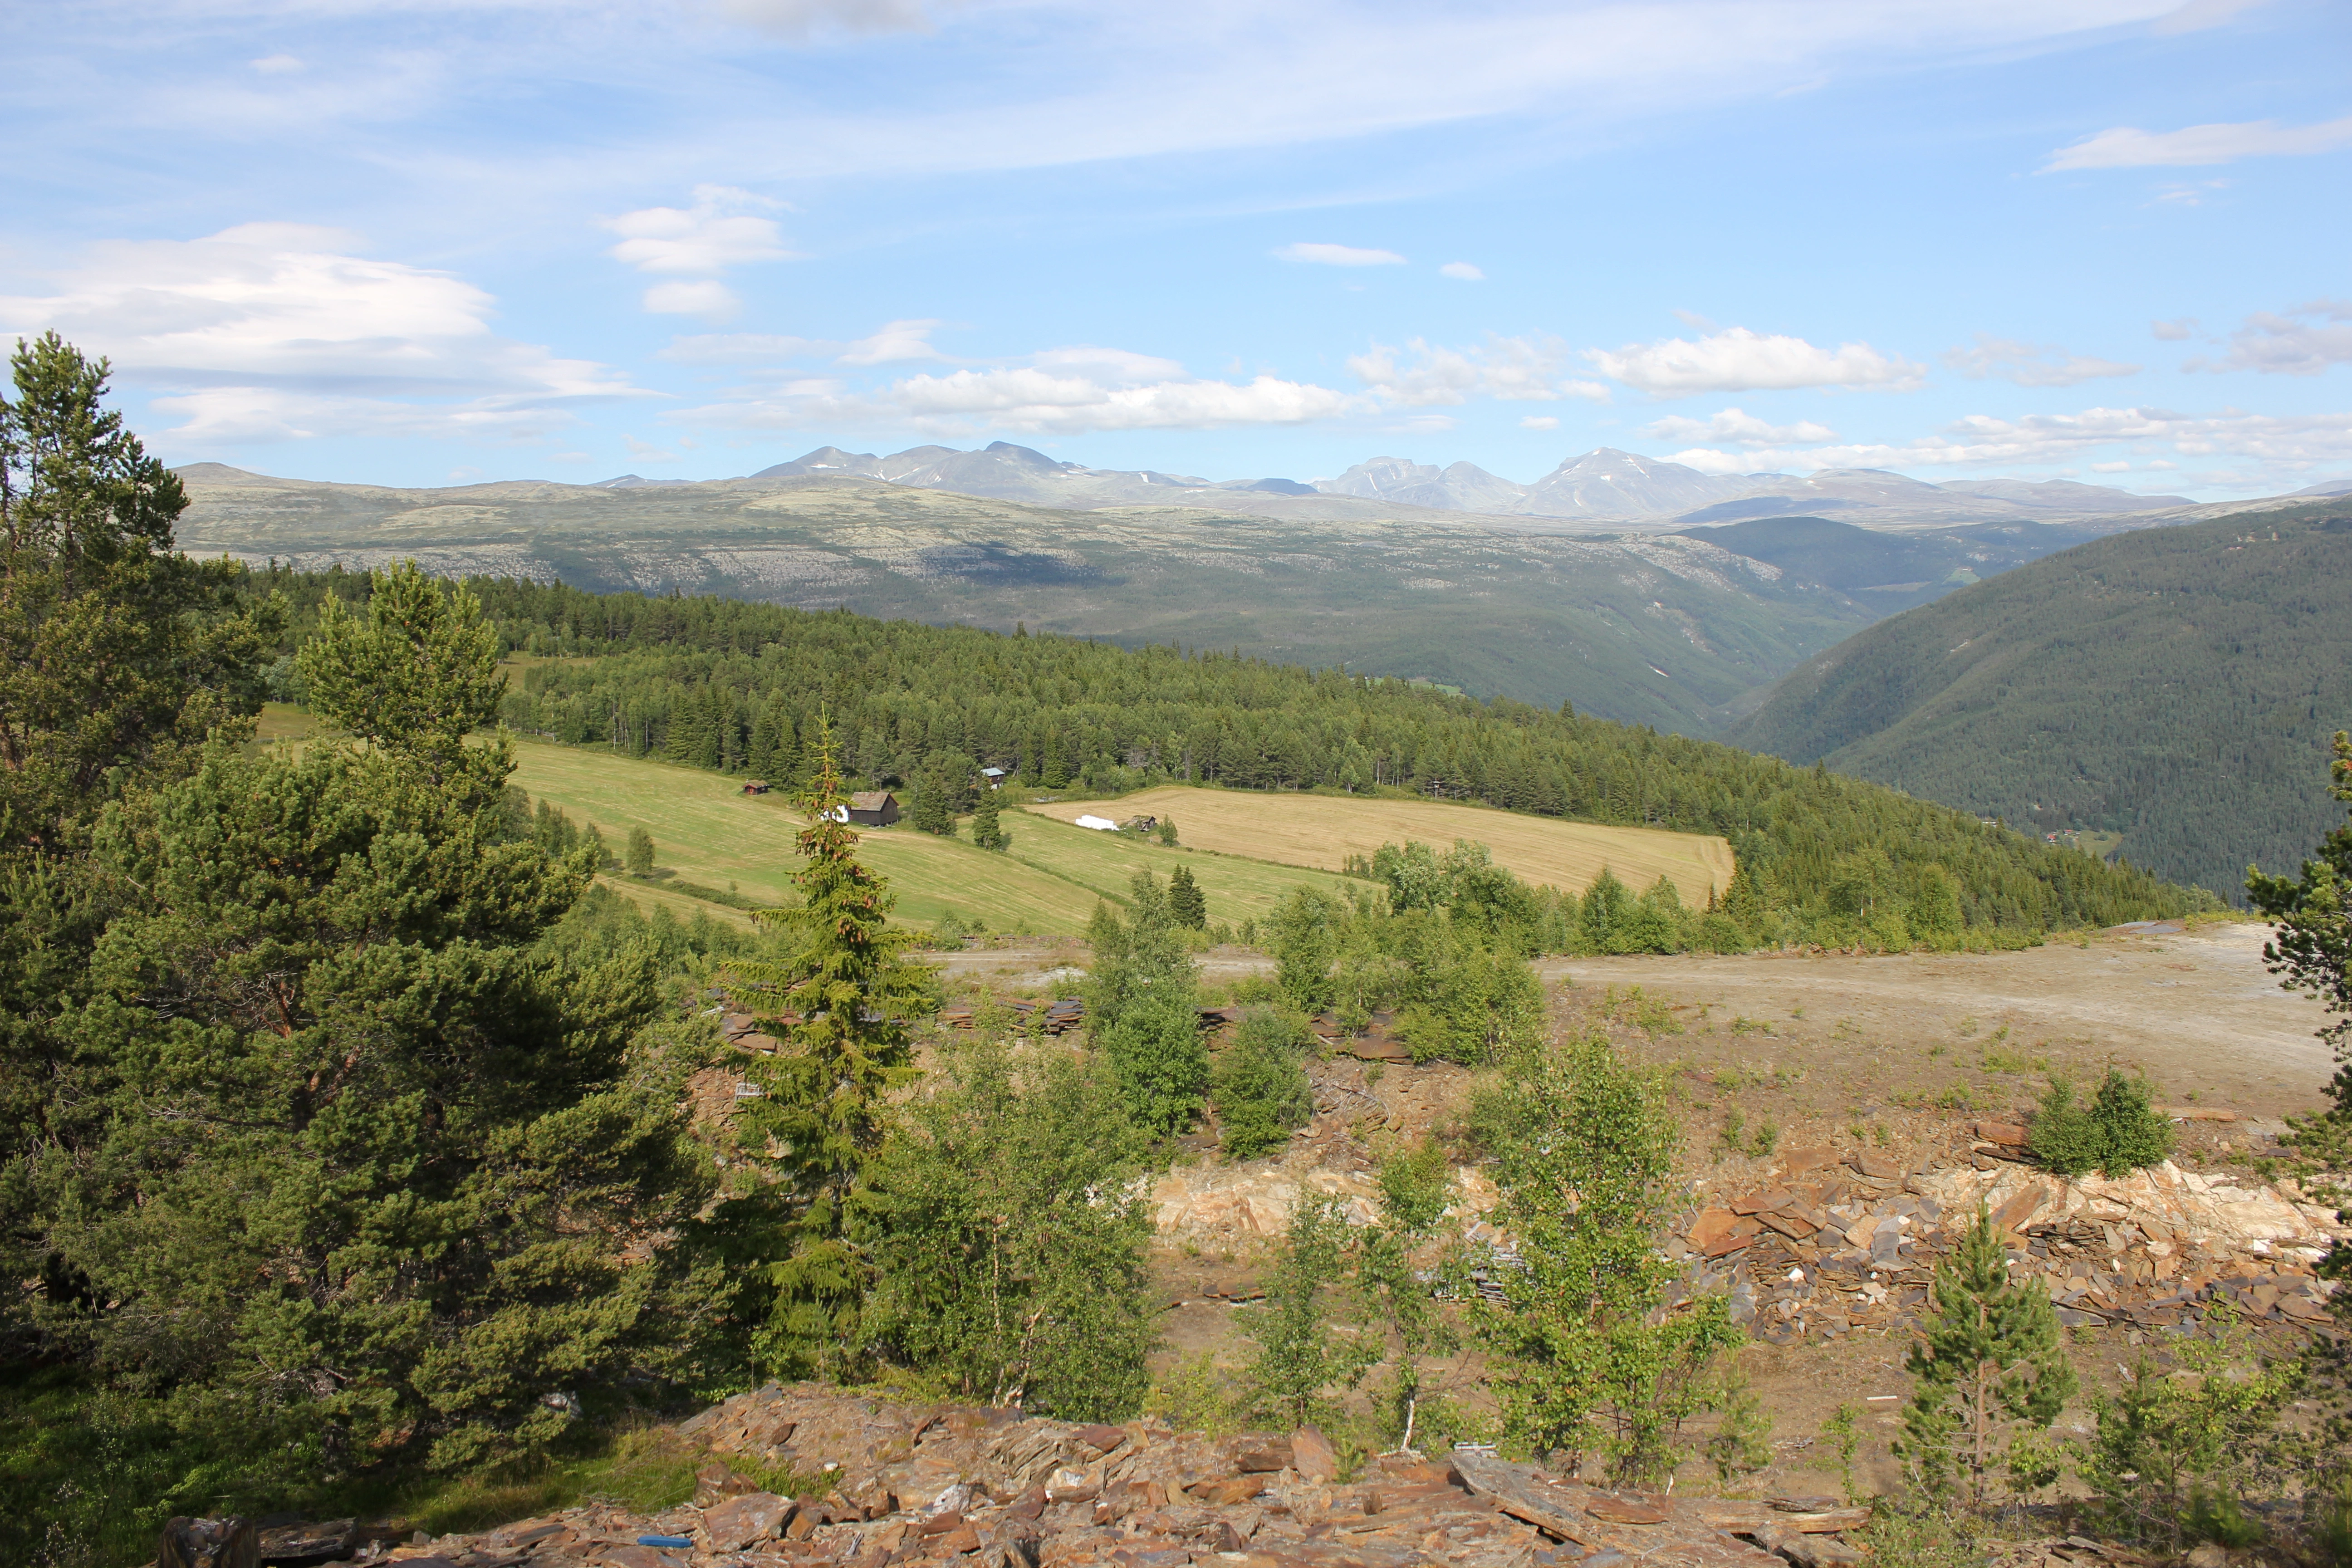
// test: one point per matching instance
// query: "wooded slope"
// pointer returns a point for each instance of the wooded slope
(2176, 687)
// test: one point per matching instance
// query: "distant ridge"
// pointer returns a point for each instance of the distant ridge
(1602, 489)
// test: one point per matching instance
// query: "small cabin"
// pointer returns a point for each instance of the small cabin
(755, 786)
(873, 808)
(1142, 825)
(995, 777)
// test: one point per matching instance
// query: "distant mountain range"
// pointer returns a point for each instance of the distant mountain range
(1601, 489)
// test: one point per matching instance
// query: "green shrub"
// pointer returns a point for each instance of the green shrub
(1261, 1083)
(2116, 1134)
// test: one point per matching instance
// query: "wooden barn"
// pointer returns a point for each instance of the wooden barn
(873, 808)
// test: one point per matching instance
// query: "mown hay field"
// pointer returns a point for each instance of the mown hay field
(1322, 831)
(707, 831)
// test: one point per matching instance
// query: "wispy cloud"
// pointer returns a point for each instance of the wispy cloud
(1739, 427)
(2278, 445)
(1337, 256)
(2128, 147)
(2030, 364)
(1462, 272)
(2304, 341)
(1522, 369)
(1739, 360)
(2177, 330)
(802, 20)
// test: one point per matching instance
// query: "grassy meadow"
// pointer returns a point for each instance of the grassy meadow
(1324, 830)
(1246, 850)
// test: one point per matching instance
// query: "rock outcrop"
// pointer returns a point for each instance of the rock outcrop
(886, 1483)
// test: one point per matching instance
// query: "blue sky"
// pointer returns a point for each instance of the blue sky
(430, 241)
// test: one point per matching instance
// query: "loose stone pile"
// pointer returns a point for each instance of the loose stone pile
(907, 1483)
(1830, 1245)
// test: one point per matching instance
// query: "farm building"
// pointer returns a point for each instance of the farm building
(755, 786)
(995, 777)
(873, 808)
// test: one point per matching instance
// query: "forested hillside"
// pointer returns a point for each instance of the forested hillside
(722, 684)
(2176, 687)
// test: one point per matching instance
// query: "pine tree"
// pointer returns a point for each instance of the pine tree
(1989, 1365)
(1187, 905)
(637, 859)
(934, 809)
(115, 652)
(430, 1160)
(841, 1005)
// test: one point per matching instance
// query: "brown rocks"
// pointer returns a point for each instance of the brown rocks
(230, 1542)
(1613, 1508)
(2008, 1134)
(1878, 1167)
(1798, 1162)
(293, 1545)
(1312, 1456)
(714, 1483)
(1265, 1460)
(1227, 1491)
(738, 1523)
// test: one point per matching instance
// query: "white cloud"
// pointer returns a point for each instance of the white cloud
(2030, 365)
(705, 297)
(1063, 391)
(801, 19)
(896, 341)
(1737, 426)
(2118, 468)
(1737, 359)
(723, 228)
(2178, 330)
(1539, 422)
(276, 65)
(270, 332)
(647, 452)
(2128, 147)
(2304, 341)
(1515, 370)
(1462, 272)
(1337, 256)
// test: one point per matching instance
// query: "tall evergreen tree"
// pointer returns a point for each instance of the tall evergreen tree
(841, 1005)
(118, 652)
(1187, 905)
(988, 824)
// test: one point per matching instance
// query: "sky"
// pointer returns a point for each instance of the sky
(433, 242)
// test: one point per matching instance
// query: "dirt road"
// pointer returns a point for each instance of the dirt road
(2196, 1011)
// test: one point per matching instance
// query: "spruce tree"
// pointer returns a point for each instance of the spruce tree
(841, 1006)
(987, 823)
(1187, 905)
(637, 858)
(1988, 1366)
